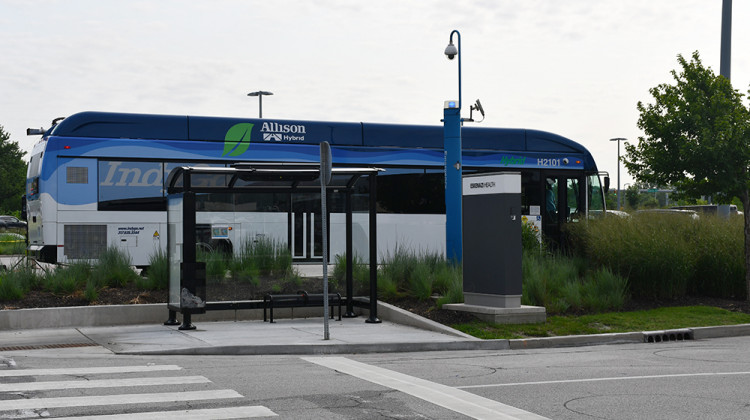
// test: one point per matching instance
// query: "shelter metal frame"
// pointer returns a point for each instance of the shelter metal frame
(268, 178)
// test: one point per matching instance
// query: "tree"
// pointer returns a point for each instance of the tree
(696, 140)
(12, 174)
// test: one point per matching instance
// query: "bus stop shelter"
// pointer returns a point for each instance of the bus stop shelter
(188, 292)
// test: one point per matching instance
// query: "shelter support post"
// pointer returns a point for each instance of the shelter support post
(349, 258)
(373, 318)
(172, 318)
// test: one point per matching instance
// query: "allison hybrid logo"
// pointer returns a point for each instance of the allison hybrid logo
(238, 137)
(282, 132)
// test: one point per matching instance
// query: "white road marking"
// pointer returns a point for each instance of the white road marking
(208, 413)
(445, 396)
(121, 399)
(619, 378)
(101, 383)
(88, 371)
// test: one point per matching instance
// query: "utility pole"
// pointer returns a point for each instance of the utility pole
(726, 39)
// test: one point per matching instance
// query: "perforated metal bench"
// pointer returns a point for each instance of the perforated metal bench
(301, 299)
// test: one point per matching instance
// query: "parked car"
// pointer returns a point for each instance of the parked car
(614, 213)
(685, 213)
(11, 223)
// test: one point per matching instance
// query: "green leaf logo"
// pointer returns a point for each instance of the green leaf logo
(237, 139)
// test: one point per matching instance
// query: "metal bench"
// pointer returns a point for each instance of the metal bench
(300, 299)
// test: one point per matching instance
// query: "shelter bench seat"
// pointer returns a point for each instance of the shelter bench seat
(300, 299)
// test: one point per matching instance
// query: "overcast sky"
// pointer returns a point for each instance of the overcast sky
(575, 67)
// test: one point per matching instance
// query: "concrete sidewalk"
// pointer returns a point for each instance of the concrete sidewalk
(399, 331)
(230, 337)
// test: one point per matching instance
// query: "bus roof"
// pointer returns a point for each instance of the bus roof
(195, 128)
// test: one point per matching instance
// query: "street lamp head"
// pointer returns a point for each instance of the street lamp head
(618, 139)
(260, 93)
(451, 51)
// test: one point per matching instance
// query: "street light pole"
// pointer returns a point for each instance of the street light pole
(453, 163)
(618, 139)
(725, 68)
(260, 94)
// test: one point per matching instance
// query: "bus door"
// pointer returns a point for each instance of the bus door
(305, 227)
(563, 203)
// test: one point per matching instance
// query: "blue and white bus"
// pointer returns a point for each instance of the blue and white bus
(98, 179)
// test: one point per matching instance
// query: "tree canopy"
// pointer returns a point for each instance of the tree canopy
(696, 135)
(12, 174)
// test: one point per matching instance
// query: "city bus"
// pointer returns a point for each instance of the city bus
(97, 180)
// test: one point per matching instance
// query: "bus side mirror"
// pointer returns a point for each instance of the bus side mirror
(606, 184)
(24, 214)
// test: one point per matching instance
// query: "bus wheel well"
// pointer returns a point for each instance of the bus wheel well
(48, 254)
(223, 246)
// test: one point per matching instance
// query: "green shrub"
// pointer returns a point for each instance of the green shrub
(62, 280)
(261, 256)
(561, 285)
(67, 279)
(531, 240)
(16, 284)
(157, 273)
(396, 268)
(113, 269)
(420, 282)
(448, 283)
(604, 290)
(545, 279)
(445, 278)
(405, 273)
(666, 256)
(244, 271)
(294, 281)
(388, 287)
(719, 258)
(360, 274)
(216, 265)
(92, 292)
(12, 244)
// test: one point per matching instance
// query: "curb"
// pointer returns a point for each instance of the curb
(325, 349)
(118, 315)
(576, 340)
(739, 330)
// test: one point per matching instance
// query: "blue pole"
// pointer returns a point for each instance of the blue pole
(453, 183)
(453, 168)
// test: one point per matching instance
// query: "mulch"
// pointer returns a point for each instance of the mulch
(425, 308)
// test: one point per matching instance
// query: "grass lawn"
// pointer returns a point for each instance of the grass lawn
(612, 322)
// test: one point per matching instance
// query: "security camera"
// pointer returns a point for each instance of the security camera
(478, 107)
(451, 51)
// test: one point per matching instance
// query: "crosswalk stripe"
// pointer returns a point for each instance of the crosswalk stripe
(463, 402)
(87, 371)
(90, 401)
(202, 414)
(102, 383)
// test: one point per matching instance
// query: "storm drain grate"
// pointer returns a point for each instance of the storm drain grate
(47, 346)
(668, 335)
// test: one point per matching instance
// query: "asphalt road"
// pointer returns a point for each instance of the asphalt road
(707, 379)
